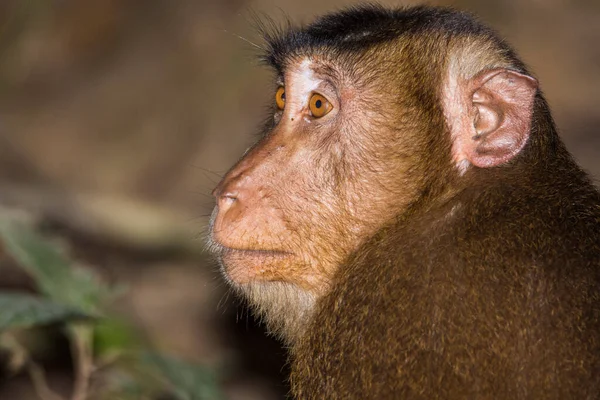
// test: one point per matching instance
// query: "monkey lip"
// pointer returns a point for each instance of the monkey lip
(243, 266)
(225, 251)
(260, 253)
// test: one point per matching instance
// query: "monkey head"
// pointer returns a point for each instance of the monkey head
(370, 120)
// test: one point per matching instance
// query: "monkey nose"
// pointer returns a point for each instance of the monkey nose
(225, 197)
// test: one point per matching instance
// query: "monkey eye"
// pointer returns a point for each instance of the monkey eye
(280, 97)
(319, 105)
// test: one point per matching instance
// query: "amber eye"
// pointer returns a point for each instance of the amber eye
(280, 97)
(319, 106)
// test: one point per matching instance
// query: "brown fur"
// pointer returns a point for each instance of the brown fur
(438, 279)
(497, 299)
(487, 288)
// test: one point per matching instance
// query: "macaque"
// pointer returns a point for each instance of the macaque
(410, 223)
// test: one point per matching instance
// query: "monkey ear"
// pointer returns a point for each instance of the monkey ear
(500, 104)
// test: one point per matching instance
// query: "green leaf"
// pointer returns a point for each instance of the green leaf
(20, 310)
(188, 381)
(112, 336)
(53, 273)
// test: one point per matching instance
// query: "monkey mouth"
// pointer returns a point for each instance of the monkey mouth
(219, 249)
(257, 253)
(242, 265)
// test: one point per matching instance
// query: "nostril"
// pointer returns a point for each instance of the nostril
(221, 192)
(226, 200)
(229, 195)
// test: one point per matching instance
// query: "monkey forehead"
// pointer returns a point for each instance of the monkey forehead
(301, 80)
(311, 68)
(355, 29)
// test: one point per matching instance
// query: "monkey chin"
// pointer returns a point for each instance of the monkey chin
(284, 307)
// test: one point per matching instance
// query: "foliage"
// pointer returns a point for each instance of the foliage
(101, 343)
(24, 311)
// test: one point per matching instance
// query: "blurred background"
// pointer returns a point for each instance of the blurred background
(117, 117)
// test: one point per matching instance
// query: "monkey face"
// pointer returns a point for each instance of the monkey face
(301, 199)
